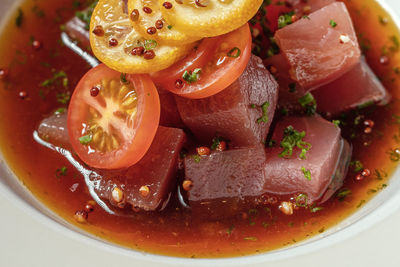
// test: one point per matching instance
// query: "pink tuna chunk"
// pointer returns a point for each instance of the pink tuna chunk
(54, 130)
(229, 114)
(357, 87)
(287, 175)
(156, 170)
(289, 90)
(169, 116)
(225, 181)
(317, 52)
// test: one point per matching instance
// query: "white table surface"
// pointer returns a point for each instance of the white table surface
(25, 242)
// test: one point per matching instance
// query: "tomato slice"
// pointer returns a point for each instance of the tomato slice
(209, 69)
(113, 118)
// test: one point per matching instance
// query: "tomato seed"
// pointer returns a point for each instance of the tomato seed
(3, 74)
(137, 51)
(134, 15)
(113, 42)
(151, 30)
(98, 31)
(94, 91)
(159, 24)
(22, 94)
(147, 10)
(149, 55)
(167, 5)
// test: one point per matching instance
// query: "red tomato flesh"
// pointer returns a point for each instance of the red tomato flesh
(112, 118)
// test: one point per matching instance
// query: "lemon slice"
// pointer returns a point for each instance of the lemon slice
(147, 19)
(116, 43)
(207, 18)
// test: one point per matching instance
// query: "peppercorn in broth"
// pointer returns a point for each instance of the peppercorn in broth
(38, 74)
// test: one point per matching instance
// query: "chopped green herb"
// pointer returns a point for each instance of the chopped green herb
(308, 103)
(291, 224)
(302, 200)
(365, 105)
(60, 111)
(336, 123)
(63, 98)
(196, 158)
(169, 27)
(123, 78)
(264, 108)
(234, 52)
(61, 172)
(150, 44)
(357, 166)
(85, 140)
(253, 106)
(306, 17)
(20, 18)
(191, 77)
(183, 153)
(250, 238)
(86, 14)
(285, 19)
(362, 202)
(307, 173)
(332, 23)
(380, 175)
(343, 193)
(76, 4)
(56, 76)
(316, 209)
(394, 155)
(321, 230)
(292, 139)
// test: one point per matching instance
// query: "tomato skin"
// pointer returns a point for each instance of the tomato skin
(142, 128)
(215, 80)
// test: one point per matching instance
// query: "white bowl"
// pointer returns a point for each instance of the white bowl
(379, 208)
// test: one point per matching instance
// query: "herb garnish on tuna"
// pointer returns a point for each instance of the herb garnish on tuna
(292, 139)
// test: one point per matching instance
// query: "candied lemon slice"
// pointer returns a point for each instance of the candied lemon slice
(147, 19)
(207, 18)
(116, 43)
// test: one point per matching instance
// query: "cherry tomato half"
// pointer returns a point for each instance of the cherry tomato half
(213, 66)
(113, 118)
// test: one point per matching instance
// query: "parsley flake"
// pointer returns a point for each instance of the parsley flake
(307, 173)
(85, 140)
(264, 108)
(332, 23)
(309, 104)
(191, 77)
(292, 139)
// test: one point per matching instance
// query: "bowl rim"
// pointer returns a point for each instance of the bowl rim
(385, 209)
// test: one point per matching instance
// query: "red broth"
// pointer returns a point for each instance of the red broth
(25, 101)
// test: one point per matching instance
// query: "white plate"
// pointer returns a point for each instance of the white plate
(29, 239)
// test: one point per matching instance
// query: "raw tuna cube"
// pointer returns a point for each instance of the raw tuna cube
(289, 90)
(225, 181)
(54, 130)
(318, 52)
(76, 29)
(169, 116)
(234, 113)
(156, 171)
(357, 87)
(289, 175)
